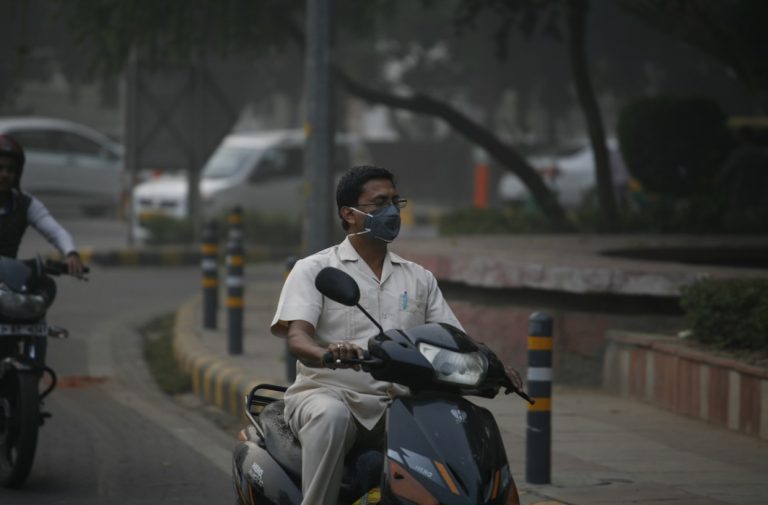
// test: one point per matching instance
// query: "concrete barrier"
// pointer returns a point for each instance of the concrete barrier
(673, 375)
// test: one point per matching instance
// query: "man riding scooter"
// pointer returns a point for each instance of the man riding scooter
(333, 410)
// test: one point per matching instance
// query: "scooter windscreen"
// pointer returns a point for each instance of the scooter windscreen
(14, 274)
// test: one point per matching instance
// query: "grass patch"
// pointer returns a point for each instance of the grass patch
(158, 353)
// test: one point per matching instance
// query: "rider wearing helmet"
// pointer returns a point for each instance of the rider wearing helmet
(19, 210)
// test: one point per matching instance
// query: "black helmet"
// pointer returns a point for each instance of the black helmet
(12, 149)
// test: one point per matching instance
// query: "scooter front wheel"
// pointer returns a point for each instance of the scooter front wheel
(19, 423)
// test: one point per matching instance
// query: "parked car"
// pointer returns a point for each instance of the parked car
(260, 171)
(69, 163)
(570, 173)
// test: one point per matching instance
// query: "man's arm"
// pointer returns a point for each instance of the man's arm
(438, 311)
(42, 221)
(301, 343)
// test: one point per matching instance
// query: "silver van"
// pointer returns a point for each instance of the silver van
(260, 171)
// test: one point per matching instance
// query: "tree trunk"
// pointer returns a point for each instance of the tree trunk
(505, 155)
(577, 20)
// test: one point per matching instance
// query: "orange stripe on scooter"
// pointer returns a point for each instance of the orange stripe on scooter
(446, 477)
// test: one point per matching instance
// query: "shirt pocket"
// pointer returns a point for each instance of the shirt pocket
(412, 306)
(335, 323)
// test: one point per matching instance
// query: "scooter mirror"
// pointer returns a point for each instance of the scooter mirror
(338, 286)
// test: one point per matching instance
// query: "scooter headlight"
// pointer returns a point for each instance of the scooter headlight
(467, 369)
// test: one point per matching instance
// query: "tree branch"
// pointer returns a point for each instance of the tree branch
(505, 155)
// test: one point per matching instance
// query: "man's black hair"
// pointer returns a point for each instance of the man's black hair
(351, 185)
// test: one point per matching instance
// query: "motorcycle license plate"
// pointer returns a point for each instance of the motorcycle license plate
(26, 330)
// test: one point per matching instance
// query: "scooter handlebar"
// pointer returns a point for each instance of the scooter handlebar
(510, 388)
(367, 362)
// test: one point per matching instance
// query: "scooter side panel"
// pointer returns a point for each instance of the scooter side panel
(451, 446)
(259, 480)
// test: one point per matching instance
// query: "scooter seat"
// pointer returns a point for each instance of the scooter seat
(279, 439)
(362, 469)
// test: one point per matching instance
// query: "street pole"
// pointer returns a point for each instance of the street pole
(318, 128)
(131, 138)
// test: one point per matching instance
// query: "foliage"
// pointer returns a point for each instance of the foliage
(728, 313)
(492, 221)
(271, 230)
(259, 229)
(158, 353)
(730, 31)
(184, 31)
(164, 230)
(639, 213)
(674, 145)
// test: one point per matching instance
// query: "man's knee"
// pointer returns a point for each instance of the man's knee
(334, 420)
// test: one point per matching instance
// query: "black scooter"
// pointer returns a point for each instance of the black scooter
(26, 292)
(440, 448)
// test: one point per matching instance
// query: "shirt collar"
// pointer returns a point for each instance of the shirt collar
(347, 252)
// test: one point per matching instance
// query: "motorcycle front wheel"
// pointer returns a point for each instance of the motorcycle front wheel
(19, 422)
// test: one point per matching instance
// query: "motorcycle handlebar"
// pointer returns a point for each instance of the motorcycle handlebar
(56, 268)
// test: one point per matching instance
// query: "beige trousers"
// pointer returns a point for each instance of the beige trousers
(327, 430)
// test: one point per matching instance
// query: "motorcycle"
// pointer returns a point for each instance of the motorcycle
(27, 290)
(440, 448)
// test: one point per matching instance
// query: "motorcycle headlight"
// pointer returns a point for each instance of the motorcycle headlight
(467, 369)
(17, 305)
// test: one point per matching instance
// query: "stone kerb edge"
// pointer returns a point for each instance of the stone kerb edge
(493, 272)
(215, 379)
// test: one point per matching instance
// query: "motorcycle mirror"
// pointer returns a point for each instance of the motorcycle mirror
(338, 286)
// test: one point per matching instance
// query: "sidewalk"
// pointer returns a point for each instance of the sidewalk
(606, 449)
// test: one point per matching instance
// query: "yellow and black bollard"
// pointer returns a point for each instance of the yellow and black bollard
(235, 221)
(235, 282)
(209, 263)
(539, 432)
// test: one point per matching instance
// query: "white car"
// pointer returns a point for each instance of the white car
(69, 163)
(571, 175)
(260, 171)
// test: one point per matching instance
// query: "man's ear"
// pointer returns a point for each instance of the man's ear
(348, 215)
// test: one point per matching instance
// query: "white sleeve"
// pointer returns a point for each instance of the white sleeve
(42, 221)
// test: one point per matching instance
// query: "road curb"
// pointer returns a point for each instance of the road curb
(172, 256)
(216, 379)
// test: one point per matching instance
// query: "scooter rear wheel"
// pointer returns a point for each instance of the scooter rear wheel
(19, 423)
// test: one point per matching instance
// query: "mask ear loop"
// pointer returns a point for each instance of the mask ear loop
(366, 230)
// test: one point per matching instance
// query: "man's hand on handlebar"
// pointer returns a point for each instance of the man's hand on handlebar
(514, 377)
(516, 384)
(340, 351)
(74, 265)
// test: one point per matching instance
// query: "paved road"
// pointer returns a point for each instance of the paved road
(114, 438)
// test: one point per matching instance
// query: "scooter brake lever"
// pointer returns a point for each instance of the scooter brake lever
(520, 393)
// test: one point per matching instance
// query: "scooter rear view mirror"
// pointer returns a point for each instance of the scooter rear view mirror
(338, 286)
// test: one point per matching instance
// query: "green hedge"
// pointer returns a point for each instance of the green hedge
(258, 229)
(672, 145)
(470, 221)
(728, 313)
(164, 230)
